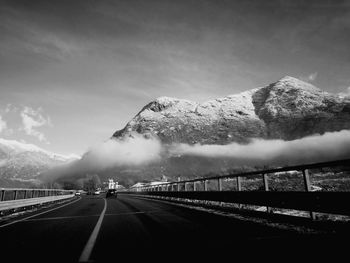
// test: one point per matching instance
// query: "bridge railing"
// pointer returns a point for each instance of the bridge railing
(332, 202)
(7, 194)
(14, 198)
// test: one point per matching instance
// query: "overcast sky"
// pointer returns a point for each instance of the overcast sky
(73, 72)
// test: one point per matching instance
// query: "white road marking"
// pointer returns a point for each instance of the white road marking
(135, 213)
(77, 217)
(26, 218)
(85, 255)
(60, 218)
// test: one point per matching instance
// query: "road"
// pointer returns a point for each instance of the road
(96, 229)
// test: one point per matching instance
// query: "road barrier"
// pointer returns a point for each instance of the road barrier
(13, 198)
(332, 202)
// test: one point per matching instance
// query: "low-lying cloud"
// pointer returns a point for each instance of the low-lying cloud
(132, 151)
(136, 151)
(316, 148)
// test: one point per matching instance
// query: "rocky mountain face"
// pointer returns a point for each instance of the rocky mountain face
(21, 163)
(287, 109)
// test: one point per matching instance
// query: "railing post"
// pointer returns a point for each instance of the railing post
(194, 186)
(205, 185)
(178, 184)
(185, 186)
(239, 188)
(266, 188)
(15, 195)
(219, 184)
(25, 194)
(307, 184)
(3, 195)
(239, 185)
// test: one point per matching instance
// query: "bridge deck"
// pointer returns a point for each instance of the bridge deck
(133, 228)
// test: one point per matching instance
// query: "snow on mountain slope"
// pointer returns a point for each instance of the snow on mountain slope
(24, 162)
(14, 147)
(287, 109)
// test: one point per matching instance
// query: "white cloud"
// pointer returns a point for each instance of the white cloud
(3, 124)
(346, 93)
(10, 108)
(32, 119)
(312, 76)
(315, 148)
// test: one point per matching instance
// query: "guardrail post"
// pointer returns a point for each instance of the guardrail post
(205, 185)
(25, 194)
(194, 186)
(3, 195)
(307, 184)
(239, 188)
(15, 195)
(178, 186)
(220, 184)
(266, 188)
(239, 185)
(185, 187)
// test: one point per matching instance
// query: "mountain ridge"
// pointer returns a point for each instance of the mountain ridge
(22, 163)
(286, 109)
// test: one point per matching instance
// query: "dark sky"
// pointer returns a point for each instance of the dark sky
(82, 69)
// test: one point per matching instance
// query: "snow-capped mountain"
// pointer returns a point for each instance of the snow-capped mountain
(287, 109)
(21, 163)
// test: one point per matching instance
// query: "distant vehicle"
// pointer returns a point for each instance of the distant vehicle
(97, 192)
(77, 193)
(111, 193)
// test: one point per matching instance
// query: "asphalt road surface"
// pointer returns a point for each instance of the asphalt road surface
(96, 229)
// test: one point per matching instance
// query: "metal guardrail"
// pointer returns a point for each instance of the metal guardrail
(7, 194)
(14, 204)
(323, 202)
(14, 198)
